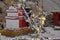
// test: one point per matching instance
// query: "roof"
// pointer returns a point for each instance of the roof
(56, 11)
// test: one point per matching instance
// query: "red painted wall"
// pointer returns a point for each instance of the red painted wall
(56, 18)
(22, 22)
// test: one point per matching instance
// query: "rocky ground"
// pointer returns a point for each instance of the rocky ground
(50, 34)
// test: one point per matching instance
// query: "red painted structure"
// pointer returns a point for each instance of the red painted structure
(56, 18)
(22, 22)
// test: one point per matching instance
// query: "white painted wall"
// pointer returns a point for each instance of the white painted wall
(14, 24)
(12, 14)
